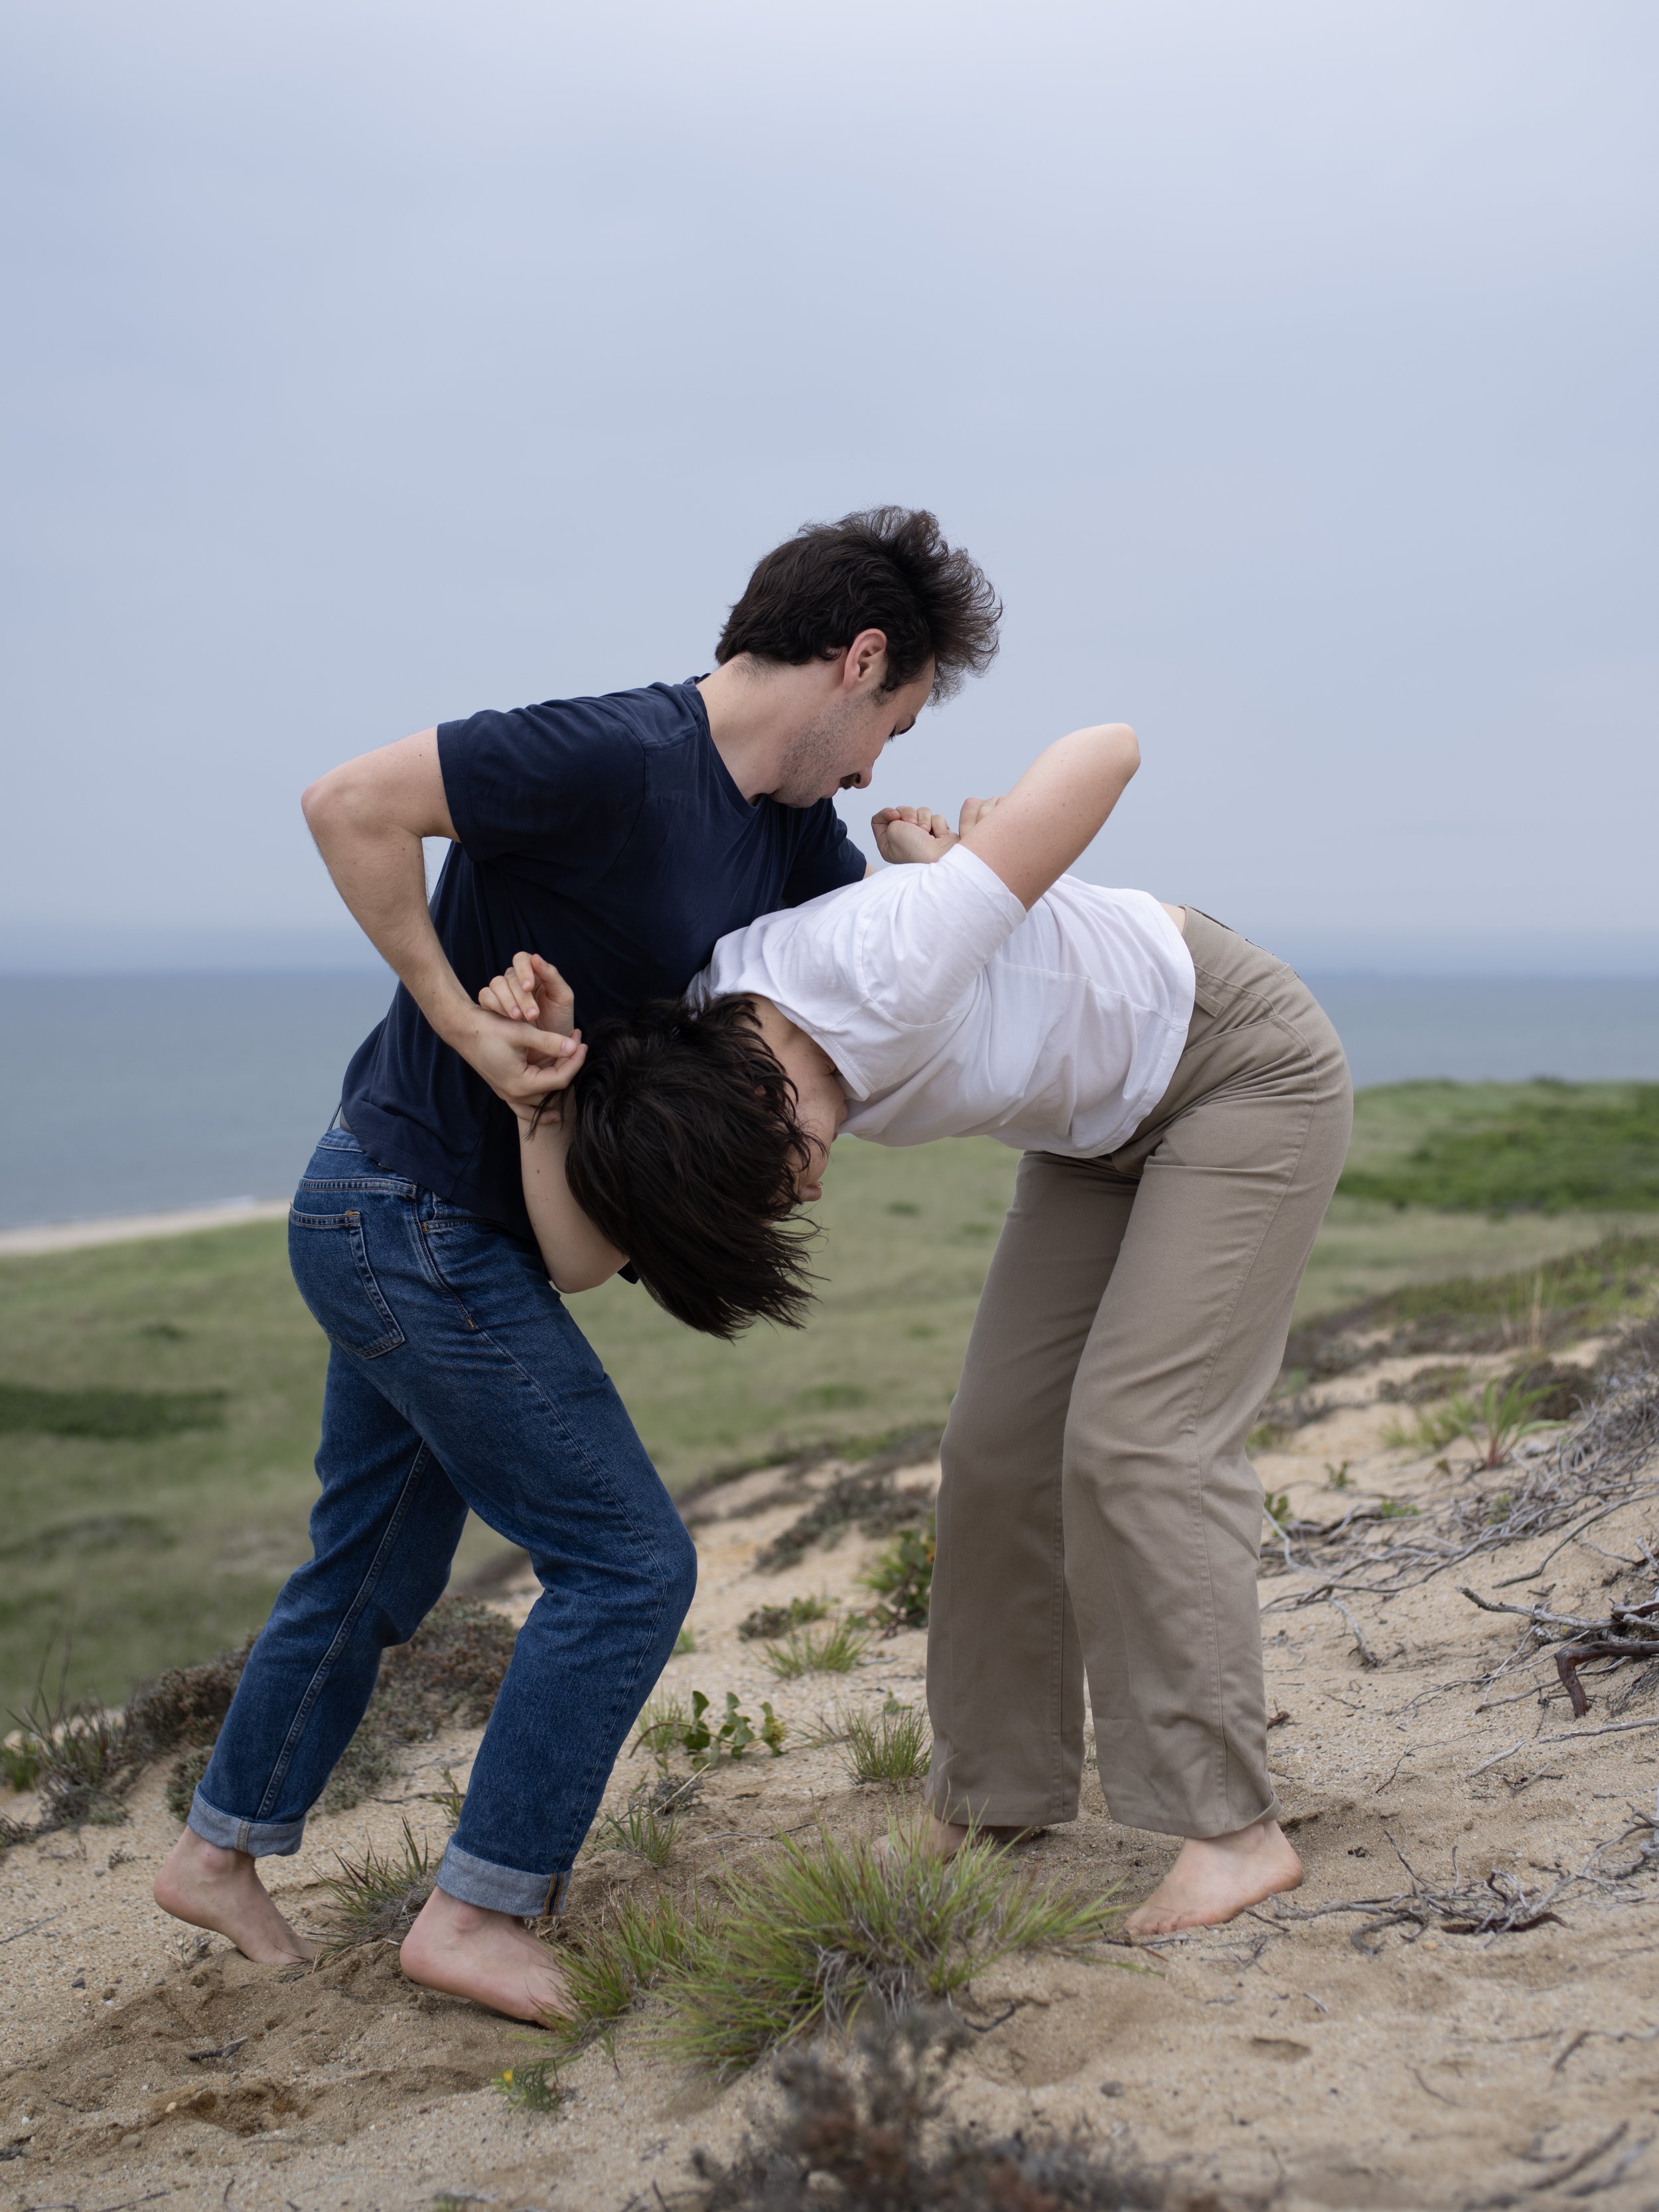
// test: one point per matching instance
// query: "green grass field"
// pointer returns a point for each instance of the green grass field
(159, 1401)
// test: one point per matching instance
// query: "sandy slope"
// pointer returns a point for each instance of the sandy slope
(1273, 2056)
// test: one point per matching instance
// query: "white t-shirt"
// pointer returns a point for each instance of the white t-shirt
(950, 1012)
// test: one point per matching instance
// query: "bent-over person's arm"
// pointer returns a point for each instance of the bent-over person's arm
(368, 817)
(576, 1256)
(1047, 820)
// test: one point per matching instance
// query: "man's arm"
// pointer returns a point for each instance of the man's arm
(368, 817)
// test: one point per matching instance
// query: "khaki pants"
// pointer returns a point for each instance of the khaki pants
(1098, 1510)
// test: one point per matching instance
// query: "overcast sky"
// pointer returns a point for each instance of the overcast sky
(1291, 368)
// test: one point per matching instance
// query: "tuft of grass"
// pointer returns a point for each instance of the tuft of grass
(769, 1622)
(611, 1965)
(892, 1746)
(901, 1578)
(662, 1726)
(377, 1897)
(20, 1760)
(79, 1754)
(684, 1644)
(641, 1829)
(827, 1728)
(450, 1799)
(1495, 1423)
(835, 1651)
(826, 1929)
(532, 2089)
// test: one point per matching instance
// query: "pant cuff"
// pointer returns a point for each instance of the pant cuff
(498, 1889)
(262, 1838)
(988, 1812)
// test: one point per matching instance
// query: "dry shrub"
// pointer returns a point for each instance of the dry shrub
(863, 2128)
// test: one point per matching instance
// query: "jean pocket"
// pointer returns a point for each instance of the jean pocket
(329, 1261)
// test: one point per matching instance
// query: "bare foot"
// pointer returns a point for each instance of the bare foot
(1216, 1877)
(490, 1957)
(215, 1888)
(943, 1839)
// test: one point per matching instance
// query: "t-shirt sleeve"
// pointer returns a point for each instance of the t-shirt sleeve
(921, 948)
(545, 781)
(825, 859)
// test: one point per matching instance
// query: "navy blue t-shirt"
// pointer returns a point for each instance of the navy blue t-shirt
(606, 835)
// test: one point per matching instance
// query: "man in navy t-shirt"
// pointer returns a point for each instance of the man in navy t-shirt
(620, 836)
(610, 836)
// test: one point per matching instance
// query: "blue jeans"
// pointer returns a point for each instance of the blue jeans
(457, 1378)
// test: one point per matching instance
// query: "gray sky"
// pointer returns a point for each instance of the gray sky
(1289, 367)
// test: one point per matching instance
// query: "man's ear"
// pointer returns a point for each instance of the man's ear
(865, 663)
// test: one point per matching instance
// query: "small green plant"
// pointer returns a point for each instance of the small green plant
(21, 1760)
(891, 1746)
(1495, 1423)
(661, 1726)
(1499, 1508)
(450, 1799)
(532, 2089)
(1337, 1478)
(610, 1966)
(81, 1753)
(825, 1929)
(376, 1897)
(835, 1651)
(1276, 1504)
(769, 1622)
(669, 1724)
(684, 1644)
(901, 1578)
(641, 1829)
(1396, 1509)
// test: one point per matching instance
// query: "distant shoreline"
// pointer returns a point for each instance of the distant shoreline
(130, 1228)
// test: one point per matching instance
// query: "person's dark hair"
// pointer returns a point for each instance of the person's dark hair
(684, 1152)
(889, 569)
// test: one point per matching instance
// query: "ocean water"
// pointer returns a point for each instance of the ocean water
(152, 1092)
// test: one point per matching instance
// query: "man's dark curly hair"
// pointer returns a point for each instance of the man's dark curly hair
(683, 1152)
(888, 569)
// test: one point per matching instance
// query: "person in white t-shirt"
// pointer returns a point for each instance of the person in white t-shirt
(1183, 1107)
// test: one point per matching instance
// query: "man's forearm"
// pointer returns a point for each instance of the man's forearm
(381, 873)
(368, 817)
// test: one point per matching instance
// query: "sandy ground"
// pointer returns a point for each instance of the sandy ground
(129, 1228)
(1274, 2058)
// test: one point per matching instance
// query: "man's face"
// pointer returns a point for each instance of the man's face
(838, 750)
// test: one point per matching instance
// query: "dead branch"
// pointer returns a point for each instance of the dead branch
(1593, 1469)
(1367, 1657)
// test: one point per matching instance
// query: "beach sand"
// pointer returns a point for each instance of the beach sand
(128, 1228)
(1283, 2058)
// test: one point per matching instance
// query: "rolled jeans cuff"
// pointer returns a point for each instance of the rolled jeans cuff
(261, 1838)
(498, 1889)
